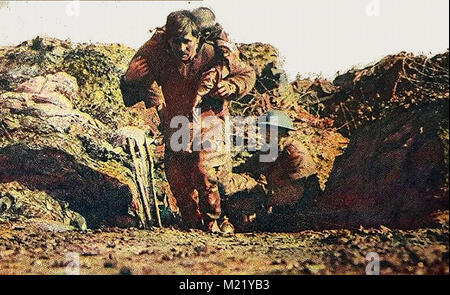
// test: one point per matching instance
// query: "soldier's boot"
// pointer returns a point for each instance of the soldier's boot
(212, 226)
(210, 207)
(226, 226)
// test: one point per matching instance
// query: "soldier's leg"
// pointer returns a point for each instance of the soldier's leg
(209, 196)
(212, 156)
(179, 171)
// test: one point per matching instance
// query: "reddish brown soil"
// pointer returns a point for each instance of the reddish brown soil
(37, 247)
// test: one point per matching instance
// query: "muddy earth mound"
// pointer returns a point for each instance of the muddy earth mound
(395, 169)
(360, 96)
(49, 146)
(66, 133)
(394, 172)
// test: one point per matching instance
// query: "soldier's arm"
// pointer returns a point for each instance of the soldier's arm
(241, 75)
(138, 84)
(133, 84)
(208, 81)
(252, 166)
(298, 161)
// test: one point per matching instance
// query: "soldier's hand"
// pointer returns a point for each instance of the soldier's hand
(137, 70)
(225, 89)
(292, 152)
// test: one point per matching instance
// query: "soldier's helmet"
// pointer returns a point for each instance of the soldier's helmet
(279, 119)
(205, 17)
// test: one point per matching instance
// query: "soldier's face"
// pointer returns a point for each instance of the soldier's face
(281, 133)
(184, 47)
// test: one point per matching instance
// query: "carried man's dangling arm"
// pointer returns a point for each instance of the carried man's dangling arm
(240, 81)
(138, 83)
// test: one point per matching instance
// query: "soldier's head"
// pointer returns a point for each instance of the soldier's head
(206, 18)
(182, 33)
(208, 26)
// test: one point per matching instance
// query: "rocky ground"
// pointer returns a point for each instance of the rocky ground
(39, 247)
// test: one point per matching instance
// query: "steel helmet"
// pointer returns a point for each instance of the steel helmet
(279, 119)
(205, 17)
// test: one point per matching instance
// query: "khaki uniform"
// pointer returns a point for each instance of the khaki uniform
(189, 174)
(254, 187)
(286, 175)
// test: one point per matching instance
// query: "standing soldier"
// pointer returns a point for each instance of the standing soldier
(177, 63)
